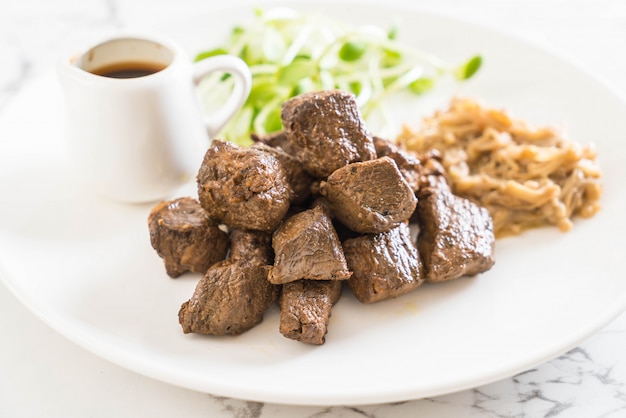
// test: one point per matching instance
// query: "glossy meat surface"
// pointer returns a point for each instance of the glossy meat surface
(456, 236)
(369, 197)
(409, 165)
(306, 246)
(327, 131)
(305, 309)
(299, 180)
(243, 187)
(229, 299)
(185, 237)
(384, 265)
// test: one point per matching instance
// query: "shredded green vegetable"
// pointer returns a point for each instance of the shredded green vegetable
(291, 53)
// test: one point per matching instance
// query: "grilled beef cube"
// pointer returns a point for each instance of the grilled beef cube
(369, 197)
(275, 140)
(230, 298)
(306, 246)
(305, 307)
(185, 237)
(243, 187)
(299, 180)
(343, 232)
(255, 247)
(409, 165)
(327, 131)
(456, 235)
(384, 265)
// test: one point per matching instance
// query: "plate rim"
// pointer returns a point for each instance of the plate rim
(53, 320)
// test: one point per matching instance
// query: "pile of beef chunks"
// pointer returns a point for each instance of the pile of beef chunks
(323, 202)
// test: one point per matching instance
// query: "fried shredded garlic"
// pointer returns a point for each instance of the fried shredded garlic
(525, 177)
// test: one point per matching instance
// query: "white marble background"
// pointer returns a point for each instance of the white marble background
(44, 375)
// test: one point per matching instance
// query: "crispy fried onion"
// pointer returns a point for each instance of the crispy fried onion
(525, 177)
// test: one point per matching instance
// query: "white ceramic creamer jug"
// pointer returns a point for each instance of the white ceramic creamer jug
(137, 131)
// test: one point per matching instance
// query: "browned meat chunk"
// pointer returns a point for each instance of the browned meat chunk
(185, 237)
(255, 247)
(369, 197)
(234, 294)
(275, 140)
(305, 307)
(456, 236)
(306, 246)
(327, 131)
(243, 187)
(409, 165)
(229, 299)
(299, 180)
(384, 265)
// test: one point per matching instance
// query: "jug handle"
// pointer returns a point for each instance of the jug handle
(240, 72)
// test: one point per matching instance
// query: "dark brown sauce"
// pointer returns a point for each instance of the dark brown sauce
(129, 69)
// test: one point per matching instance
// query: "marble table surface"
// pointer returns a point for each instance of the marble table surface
(45, 375)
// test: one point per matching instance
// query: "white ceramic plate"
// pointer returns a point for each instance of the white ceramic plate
(85, 265)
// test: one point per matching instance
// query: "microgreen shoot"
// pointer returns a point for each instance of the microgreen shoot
(469, 68)
(290, 53)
